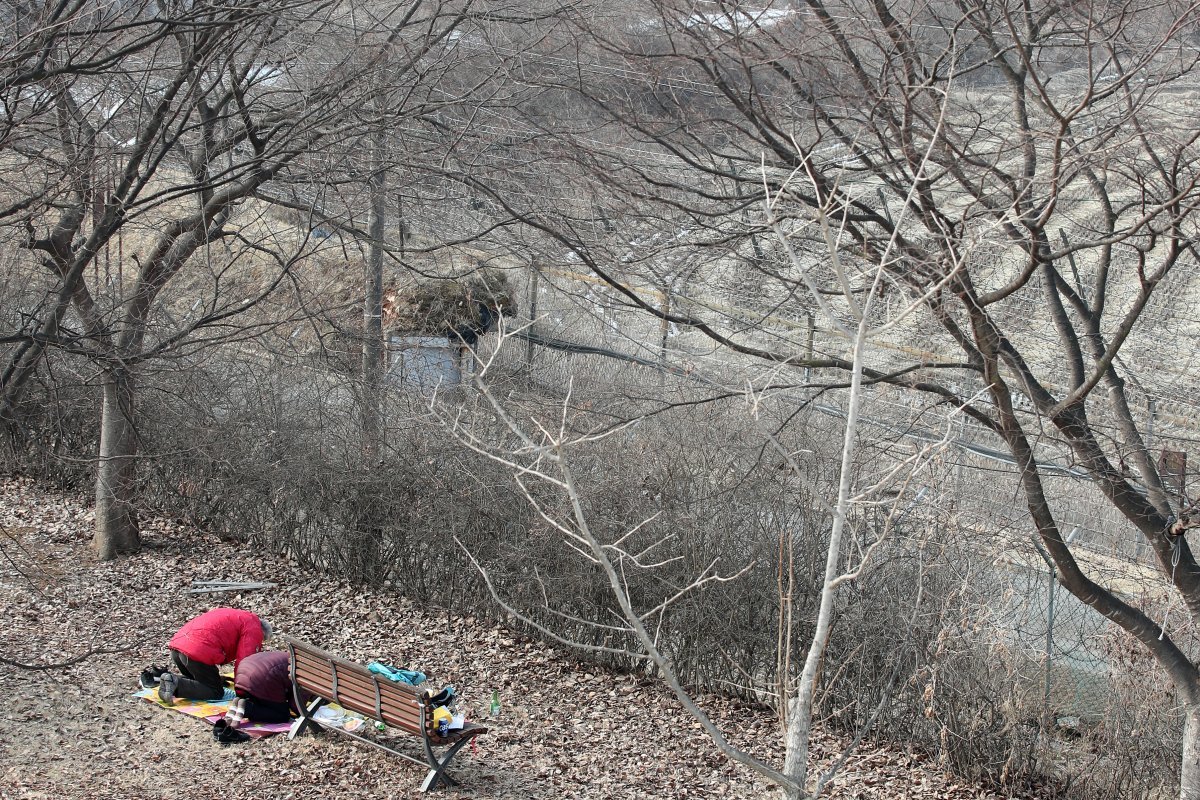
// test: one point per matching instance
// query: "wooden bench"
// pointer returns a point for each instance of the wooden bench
(325, 678)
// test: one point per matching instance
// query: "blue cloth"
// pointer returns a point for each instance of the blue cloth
(411, 677)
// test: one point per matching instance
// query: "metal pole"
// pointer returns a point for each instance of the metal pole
(1149, 422)
(808, 346)
(1052, 591)
(962, 440)
(533, 312)
(665, 326)
(883, 205)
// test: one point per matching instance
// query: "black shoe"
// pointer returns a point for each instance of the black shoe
(224, 733)
(150, 676)
(167, 683)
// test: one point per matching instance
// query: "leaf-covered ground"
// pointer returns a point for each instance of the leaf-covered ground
(565, 730)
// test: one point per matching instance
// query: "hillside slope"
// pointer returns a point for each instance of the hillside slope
(566, 730)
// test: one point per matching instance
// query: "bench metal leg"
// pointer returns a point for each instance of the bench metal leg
(437, 772)
(306, 718)
(435, 777)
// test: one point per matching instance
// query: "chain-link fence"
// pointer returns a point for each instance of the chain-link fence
(587, 334)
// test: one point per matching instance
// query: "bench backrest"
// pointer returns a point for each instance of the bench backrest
(354, 687)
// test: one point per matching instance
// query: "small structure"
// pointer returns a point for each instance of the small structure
(430, 326)
(424, 362)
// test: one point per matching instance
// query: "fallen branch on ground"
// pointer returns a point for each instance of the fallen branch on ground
(98, 651)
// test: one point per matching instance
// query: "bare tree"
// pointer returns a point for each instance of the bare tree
(1054, 196)
(543, 454)
(191, 128)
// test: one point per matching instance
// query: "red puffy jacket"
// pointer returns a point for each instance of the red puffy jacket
(219, 636)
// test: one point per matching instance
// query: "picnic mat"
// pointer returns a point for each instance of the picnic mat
(211, 711)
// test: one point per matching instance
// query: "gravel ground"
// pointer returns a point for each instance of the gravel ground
(566, 730)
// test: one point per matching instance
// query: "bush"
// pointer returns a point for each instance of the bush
(272, 457)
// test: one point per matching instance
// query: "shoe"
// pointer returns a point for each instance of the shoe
(150, 676)
(167, 684)
(224, 733)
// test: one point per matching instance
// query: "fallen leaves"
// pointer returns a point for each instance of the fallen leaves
(566, 730)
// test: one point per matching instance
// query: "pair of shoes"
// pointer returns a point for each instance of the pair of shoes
(225, 733)
(150, 676)
(167, 684)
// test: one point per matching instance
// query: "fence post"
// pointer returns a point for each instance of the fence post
(808, 346)
(1150, 409)
(664, 326)
(1141, 547)
(533, 312)
(1046, 721)
(1051, 591)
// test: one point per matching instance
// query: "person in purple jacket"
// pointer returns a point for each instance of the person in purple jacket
(263, 686)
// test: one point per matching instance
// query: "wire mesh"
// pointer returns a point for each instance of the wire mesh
(1059, 647)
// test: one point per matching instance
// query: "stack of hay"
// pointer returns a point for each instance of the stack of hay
(457, 309)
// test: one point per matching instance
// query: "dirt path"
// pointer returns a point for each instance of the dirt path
(565, 731)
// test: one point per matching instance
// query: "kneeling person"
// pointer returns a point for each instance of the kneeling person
(264, 688)
(216, 637)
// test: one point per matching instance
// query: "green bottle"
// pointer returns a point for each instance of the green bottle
(494, 708)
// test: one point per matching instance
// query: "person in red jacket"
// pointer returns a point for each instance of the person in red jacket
(216, 637)
(264, 689)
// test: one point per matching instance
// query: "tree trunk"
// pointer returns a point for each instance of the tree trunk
(795, 744)
(368, 520)
(797, 737)
(116, 520)
(372, 352)
(1189, 772)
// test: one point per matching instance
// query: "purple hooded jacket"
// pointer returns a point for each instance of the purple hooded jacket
(266, 676)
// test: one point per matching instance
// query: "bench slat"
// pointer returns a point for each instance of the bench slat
(407, 717)
(307, 663)
(354, 687)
